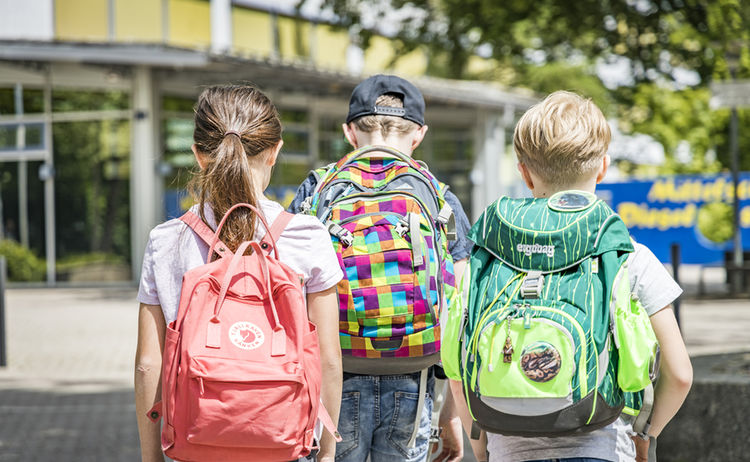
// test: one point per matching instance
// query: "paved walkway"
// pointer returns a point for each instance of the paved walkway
(66, 394)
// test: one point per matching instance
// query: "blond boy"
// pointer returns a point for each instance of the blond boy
(561, 144)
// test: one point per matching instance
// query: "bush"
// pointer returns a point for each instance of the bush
(715, 222)
(23, 265)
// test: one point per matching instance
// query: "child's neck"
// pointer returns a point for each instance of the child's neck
(541, 190)
(396, 142)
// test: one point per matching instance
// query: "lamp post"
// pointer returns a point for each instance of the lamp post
(732, 58)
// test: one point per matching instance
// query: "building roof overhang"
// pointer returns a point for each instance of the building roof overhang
(297, 75)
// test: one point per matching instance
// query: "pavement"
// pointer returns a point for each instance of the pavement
(66, 394)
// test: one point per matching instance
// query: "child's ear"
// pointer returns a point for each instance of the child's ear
(526, 176)
(350, 135)
(419, 135)
(274, 154)
(199, 156)
(603, 168)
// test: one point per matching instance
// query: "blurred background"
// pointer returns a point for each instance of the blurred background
(96, 102)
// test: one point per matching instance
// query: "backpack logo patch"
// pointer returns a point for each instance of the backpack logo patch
(529, 249)
(540, 362)
(246, 335)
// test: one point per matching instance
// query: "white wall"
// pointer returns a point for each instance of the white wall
(26, 19)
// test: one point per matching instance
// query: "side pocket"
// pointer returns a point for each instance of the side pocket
(638, 346)
(453, 324)
(170, 361)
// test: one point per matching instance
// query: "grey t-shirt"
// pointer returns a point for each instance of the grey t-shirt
(656, 289)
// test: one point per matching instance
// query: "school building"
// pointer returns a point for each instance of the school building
(96, 104)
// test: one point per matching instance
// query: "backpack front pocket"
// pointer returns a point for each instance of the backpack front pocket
(233, 404)
(385, 298)
(525, 358)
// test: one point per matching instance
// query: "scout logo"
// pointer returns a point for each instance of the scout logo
(246, 335)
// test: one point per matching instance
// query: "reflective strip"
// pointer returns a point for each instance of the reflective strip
(416, 240)
(420, 405)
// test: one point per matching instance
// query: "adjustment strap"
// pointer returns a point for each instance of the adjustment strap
(416, 240)
(327, 421)
(420, 405)
(277, 227)
(208, 235)
(448, 219)
(643, 419)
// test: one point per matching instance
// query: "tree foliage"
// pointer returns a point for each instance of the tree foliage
(548, 45)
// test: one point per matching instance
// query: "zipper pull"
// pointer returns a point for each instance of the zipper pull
(508, 348)
(527, 317)
(200, 385)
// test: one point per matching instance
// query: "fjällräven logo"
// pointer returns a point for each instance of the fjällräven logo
(529, 249)
(246, 335)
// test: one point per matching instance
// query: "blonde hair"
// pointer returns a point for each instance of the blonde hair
(387, 125)
(562, 139)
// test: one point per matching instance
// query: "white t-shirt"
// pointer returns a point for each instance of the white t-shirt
(173, 249)
(656, 289)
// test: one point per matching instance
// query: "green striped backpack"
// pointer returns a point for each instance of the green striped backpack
(546, 335)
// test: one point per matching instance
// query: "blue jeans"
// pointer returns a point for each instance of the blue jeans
(377, 418)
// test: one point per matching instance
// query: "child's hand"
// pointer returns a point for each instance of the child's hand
(453, 441)
(641, 449)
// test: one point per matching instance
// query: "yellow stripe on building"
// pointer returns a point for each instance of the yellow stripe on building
(190, 23)
(294, 38)
(380, 54)
(138, 21)
(81, 20)
(252, 32)
(331, 44)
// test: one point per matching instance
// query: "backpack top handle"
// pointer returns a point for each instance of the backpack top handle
(271, 241)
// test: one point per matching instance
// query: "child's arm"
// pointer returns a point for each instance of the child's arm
(148, 358)
(323, 310)
(675, 377)
(479, 447)
(452, 435)
(675, 371)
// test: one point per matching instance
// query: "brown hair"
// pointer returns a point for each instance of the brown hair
(232, 123)
(386, 124)
(562, 138)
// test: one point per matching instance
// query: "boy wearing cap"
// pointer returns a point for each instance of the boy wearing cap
(379, 411)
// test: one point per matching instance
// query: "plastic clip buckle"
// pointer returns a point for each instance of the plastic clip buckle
(532, 285)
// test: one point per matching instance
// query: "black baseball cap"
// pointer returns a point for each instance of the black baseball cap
(362, 102)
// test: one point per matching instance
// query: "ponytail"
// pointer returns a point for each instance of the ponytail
(232, 123)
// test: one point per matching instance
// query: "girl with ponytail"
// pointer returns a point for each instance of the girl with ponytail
(237, 139)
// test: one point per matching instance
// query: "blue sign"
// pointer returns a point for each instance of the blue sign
(667, 210)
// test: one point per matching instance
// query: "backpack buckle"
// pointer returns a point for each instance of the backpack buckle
(306, 205)
(343, 234)
(532, 285)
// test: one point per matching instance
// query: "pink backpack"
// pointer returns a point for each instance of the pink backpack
(241, 369)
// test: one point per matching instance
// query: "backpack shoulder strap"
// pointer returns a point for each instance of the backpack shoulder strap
(277, 227)
(200, 228)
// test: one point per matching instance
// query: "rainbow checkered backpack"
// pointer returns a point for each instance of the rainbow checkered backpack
(389, 223)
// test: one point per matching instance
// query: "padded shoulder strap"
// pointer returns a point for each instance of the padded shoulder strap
(277, 227)
(200, 228)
